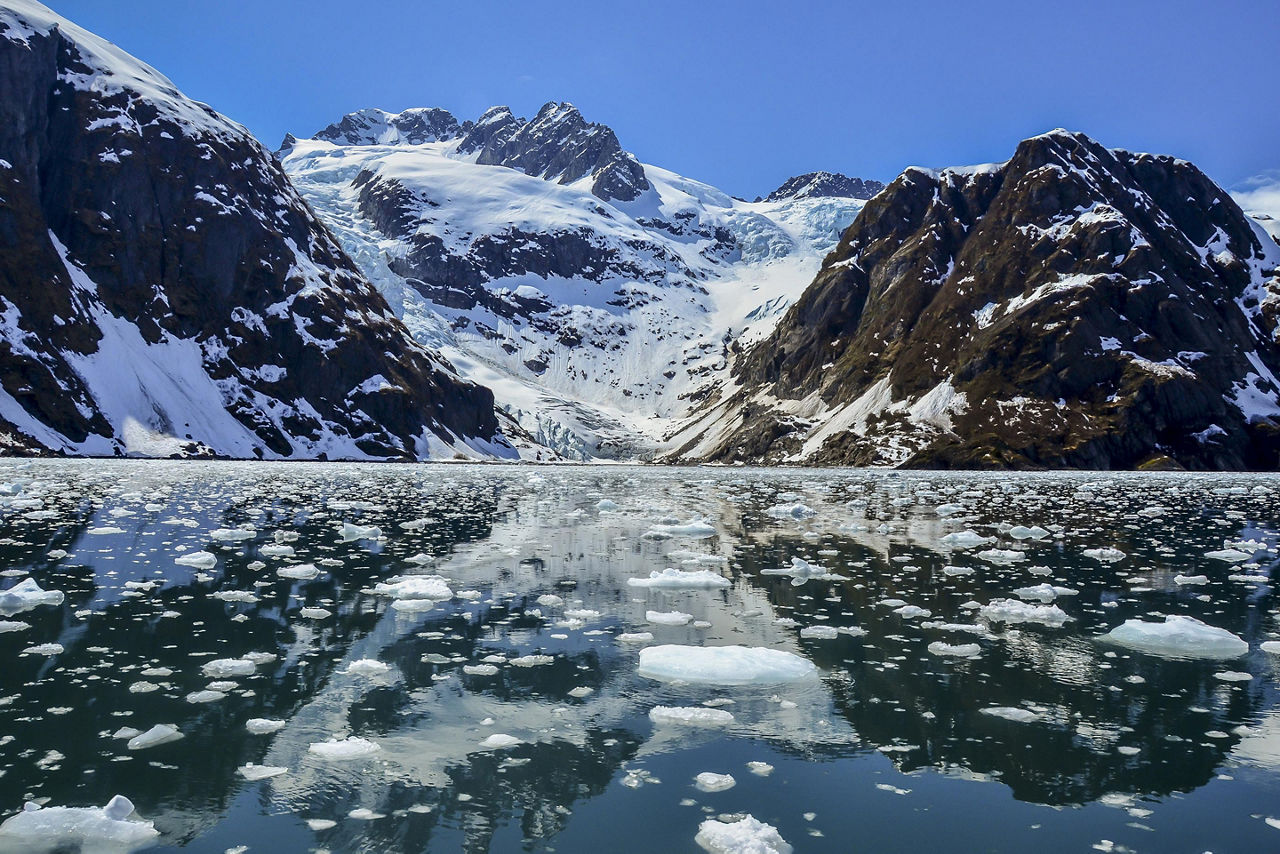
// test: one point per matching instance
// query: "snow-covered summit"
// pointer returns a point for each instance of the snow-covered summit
(813, 185)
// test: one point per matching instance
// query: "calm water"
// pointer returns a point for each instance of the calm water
(886, 749)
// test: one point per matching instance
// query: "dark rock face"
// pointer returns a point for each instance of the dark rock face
(559, 145)
(1076, 306)
(375, 127)
(813, 185)
(165, 290)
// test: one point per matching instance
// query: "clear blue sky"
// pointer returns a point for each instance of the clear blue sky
(745, 94)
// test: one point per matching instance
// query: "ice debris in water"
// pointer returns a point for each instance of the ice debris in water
(351, 532)
(747, 835)
(228, 668)
(25, 595)
(354, 747)
(966, 540)
(801, 571)
(197, 560)
(263, 726)
(367, 667)
(694, 528)
(723, 665)
(1107, 554)
(668, 618)
(300, 572)
(791, 511)
(253, 772)
(635, 637)
(760, 769)
(1022, 532)
(499, 741)
(1178, 637)
(1012, 713)
(1013, 611)
(959, 650)
(709, 781)
(77, 828)
(432, 587)
(158, 734)
(676, 579)
(532, 660)
(690, 716)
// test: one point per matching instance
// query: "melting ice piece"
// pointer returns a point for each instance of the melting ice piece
(232, 535)
(791, 511)
(261, 772)
(668, 618)
(606, 506)
(744, 836)
(1105, 554)
(709, 781)
(499, 741)
(228, 668)
(79, 828)
(1178, 637)
(354, 747)
(695, 528)
(432, 587)
(1002, 555)
(723, 665)
(1012, 713)
(301, 572)
(819, 632)
(1013, 611)
(1022, 532)
(263, 726)
(158, 734)
(367, 667)
(690, 716)
(25, 595)
(966, 540)
(957, 650)
(359, 532)
(197, 560)
(532, 660)
(315, 613)
(1229, 555)
(635, 637)
(675, 579)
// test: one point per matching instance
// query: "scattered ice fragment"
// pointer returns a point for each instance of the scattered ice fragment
(532, 660)
(365, 814)
(886, 787)
(1272, 647)
(1012, 713)
(13, 626)
(695, 528)
(965, 540)
(318, 824)
(232, 535)
(760, 769)
(550, 600)
(197, 560)
(1182, 580)
(499, 741)
(744, 836)
(1229, 555)
(675, 579)
(606, 506)
(367, 667)
(263, 726)
(480, 669)
(1013, 611)
(723, 665)
(261, 772)
(1021, 532)
(228, 668)
(580, 692)
(1106, 554)
(432, 587)
(206, 696)
(791, 511)
(959, 650)
(668, 618)
(44, 649)
(1178, 637)
(690, 716)
(819, 632)
(25, 595)
(76, 828)
(354, 747)
(709, 781)
(158, 734)
(635, 637)
(1002, 555)
(300, 572)
(1233, 676)
(315, 613)
(351, 532)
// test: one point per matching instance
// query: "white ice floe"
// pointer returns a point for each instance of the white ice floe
(801, 571)
(744, 836)
(1022, 532)
(668, 618)
(709, 781)
(44, 649)
(1012, 713)
(635, 637)
(315, 613)
(367, 667)
(263, 726)
(532, 660)
(206, 696)
(157, 735)
(88, 829)
(1229, 555)
(300, 572)
(261, 772)
(965, 540)
(351, 533)
(1107, 554)
(958, 650)
(25, 595)
(197, 560)
(13, 626)
(819, 632)
(228, 668)
(791, 511)
(1272, 647)
(1013, 611)
(694, 528)
(676, 579)
(1178, 637)
(1190, 580)
(723, 665)
(480, 669)
(499, 741)
(232, 535)
(690, 716)
(760, 769)
(1001, 555)
(1043, 592)
(432, 587)
(354, 747)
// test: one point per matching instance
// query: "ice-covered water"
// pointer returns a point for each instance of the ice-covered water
(347, 658)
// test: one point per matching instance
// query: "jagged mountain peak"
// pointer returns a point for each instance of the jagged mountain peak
(372, 126)
(813, 185)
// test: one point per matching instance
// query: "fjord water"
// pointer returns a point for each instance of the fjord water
(886, 747)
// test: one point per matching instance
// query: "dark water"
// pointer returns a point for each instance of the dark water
(888, 749)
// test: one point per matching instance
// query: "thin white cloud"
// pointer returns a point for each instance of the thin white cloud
(1260, 194)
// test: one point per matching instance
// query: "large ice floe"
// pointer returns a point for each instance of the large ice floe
(25, 595)
(92, 830)
(1178, 637)
(747, 835)
(723, 665)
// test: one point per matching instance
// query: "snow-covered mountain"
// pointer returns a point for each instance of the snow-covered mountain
(1075, 306)
(596, 295)
(165, 291)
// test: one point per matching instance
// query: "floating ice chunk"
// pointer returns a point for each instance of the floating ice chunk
(676, 579)
(604, 505)
(958, 650)
(480, 669)
(532, 660)
(911, 612)
(581, 691)
(44, 649)
(432, 587)
(1233, 676)
(966, 540)
(1013, 611)
(744, 836)
(411, 606)
(301, 572)
(367, 667)
(635, 637)
(1043, 592)
(791, 511)
(668, 618)
(1022, 532)
(690, 716)
(276, 550)
(261, 772)
(1178, 637)
(13, 626)
(351, 532)
(695, 528)
(197, 560)
(106, 828)
(25, 595)
(948, 509)
(205, 696)
(315, 613)
(232, 535)
(318, 824)
(801, 571)
(1229, 555)
(550, 600)
(1272, 647)
(1012, 713)
(235, 596)
(102, 530)
(354, 747)
(1107, 554)
(263, 726)
(228, 668)
(499, 741)
(819, 632)
(1184, 580)
(158, 734)
(723, 665)
(1001, 555)
(709, 781)
(365, 814)
(957, 570)
(760, 769)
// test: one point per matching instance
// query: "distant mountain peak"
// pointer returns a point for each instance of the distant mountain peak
(372, 126)
(813, 185)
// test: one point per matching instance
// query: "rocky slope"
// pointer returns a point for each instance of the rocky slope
(816, 185)
(594, 294)
(1075, 306)
(165, 291)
